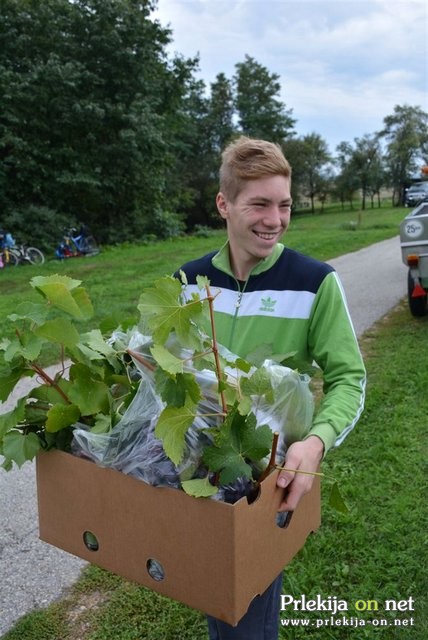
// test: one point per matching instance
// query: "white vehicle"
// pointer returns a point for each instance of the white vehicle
(414, 253)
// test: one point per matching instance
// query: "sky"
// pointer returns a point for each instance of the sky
(343, 64)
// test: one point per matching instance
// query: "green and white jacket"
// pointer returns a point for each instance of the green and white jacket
(295, 306)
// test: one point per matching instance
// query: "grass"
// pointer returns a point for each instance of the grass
(116, 277)
(376, 552)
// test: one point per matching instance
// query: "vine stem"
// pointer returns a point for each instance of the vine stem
(271, 464)
(141, 359)
(210, 299)
(46, 377)
(307, 473)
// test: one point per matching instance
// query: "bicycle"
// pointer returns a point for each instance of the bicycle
(75, 244)
(7, 259)
(24, 254)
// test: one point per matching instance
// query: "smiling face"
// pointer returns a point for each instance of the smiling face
(256, 220)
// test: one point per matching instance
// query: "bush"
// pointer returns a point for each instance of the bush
(36, 226)
(166, 224)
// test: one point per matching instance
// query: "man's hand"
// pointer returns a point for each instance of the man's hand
(305, 455)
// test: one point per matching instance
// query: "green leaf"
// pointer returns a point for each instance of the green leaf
(40, 282)
(173, 389)
(19, 447)
(259, 384)
(89, 394)
(34, 311)
(9, 377)
(102, 424)
(336, 499)
(162, 308)
(94, 340)
(60, 416)
(11, 418)
(166, 359)
(50, 394)
(27, 346)
(199, 488)
(171, 428)
(59, 330)
(64, 293)
(202, 282)
(81, 298)
(238, 440)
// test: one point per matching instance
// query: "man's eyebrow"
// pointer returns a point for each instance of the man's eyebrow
(264, 199)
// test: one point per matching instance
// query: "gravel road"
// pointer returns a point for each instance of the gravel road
(32, 573)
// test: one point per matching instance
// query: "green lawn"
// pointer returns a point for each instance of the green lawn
(377, 552)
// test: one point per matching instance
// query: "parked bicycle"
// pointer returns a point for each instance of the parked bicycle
(76, 244)
(12, 254)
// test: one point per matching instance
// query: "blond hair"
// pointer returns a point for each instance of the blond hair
(249, 159)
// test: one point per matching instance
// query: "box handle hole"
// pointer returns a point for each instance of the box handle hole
(155, 569)
(90, 541)
(283, 519)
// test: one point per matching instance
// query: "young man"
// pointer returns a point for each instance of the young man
(274, 296)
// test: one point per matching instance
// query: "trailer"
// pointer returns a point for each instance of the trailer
(414, 254)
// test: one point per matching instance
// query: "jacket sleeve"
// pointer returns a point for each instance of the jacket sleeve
(334, 347)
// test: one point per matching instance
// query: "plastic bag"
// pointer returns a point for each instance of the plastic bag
(132, 447)
(291, 412)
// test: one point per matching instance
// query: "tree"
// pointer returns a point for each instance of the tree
(364, 164)
(220, 113)
(346, 182)
(88, 99)
(261, 114)
(406, 136)
(309, 158)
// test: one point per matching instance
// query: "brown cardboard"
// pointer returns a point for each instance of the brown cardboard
(216, 557)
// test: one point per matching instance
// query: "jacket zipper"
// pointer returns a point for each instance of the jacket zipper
(237, 305)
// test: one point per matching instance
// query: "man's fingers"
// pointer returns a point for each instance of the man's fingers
(298, 487)
(285, 478)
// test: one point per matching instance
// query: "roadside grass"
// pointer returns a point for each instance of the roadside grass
(374, 553)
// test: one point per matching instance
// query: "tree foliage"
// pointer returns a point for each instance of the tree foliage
(406, 135)
(99, 124)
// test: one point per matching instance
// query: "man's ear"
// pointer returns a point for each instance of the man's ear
(222, 206)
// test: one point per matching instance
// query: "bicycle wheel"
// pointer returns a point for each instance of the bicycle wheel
(89, 246)
(9, 259)
(33, 255)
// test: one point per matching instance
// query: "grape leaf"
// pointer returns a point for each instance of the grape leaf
(166, 359)
(89, 394)
(59, 330)
(199, 488)
(9, 377)
(336, 500)
(50, 394)
(60, 416)
(172, 426)
(173, 389)
(259, 384)
(161, 307)
(10, 418)
(19, 447)
(202, 282)
(34, 311)
(28, 347)
(64, 293)
(238, 440)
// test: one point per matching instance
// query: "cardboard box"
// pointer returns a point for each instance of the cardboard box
(215, 557)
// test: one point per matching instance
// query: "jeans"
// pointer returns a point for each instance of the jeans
(261, 622)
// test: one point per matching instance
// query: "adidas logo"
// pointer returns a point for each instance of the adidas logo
(268, 304)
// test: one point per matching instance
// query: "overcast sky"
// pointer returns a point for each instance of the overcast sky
(343, 64)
